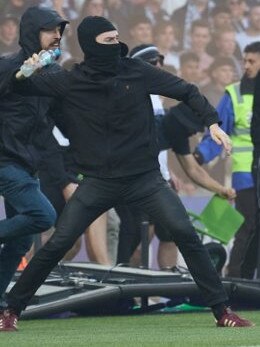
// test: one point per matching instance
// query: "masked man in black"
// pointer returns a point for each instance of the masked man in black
(25, 136)
(106, 104)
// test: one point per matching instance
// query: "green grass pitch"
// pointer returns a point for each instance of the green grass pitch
(153, 330)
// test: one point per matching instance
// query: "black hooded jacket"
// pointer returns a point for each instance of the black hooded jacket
(106, 105)
(110, 120)
(25, 132)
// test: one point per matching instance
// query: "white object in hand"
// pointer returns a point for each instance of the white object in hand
(45, 58)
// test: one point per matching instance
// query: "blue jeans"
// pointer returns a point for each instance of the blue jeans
(93, 197)
(34, 213)
(28, 212)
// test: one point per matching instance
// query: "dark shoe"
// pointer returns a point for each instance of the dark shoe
(232, 320)
(8, 321)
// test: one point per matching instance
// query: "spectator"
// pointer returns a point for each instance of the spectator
(119, 12)
(186, 15)
(141, 31)
(17, 7)
(93, 8)
(167, 102)
(89, 8)
(8, 34)
(170, 6)
(252, 33)
(224, 45)
(137, 7)
(166, 42)
(154, 12)
(221, 73)
(65, 8)
(200, 38)
(238, 11)
(189, 67)
(189, 70)
(220, 18)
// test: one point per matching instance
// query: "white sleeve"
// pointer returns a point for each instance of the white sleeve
(63, 141)
(163, 161)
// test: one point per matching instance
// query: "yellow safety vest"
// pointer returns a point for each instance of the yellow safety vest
(242, 152)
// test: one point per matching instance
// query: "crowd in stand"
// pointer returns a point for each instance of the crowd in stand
(210, 29)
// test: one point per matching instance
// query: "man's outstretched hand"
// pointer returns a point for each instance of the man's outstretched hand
(220, 137)
(227, 193)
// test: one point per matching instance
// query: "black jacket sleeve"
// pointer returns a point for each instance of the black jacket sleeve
(44, 83)
(53, 163)
(7, 70)
(163, 83)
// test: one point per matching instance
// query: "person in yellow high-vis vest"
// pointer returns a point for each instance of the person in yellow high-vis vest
(235, 111)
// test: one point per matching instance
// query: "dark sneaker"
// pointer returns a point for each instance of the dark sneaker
(8, 321)
(232, 320)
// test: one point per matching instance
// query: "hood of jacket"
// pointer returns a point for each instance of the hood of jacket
(32, 22)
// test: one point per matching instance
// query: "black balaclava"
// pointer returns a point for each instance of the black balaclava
(100, 57)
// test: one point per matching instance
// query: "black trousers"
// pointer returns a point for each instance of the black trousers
(242, 262)
(131, 219)
(93, 197)
(252, 256)
(129, 233)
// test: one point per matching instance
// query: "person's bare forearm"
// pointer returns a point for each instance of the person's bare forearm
(199, 176)
(221, 138)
